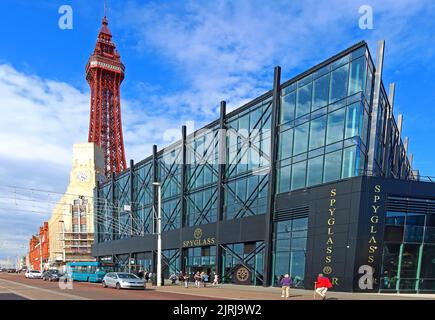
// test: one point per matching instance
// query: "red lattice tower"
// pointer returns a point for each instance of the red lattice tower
(105, 73)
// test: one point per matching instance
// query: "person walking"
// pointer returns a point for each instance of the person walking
(173, 279)
(205, 279)
(197, 278)
(140, 274)
(216, 279)
(147, 276)
(186, 280)
(322, 285)
(285, 283)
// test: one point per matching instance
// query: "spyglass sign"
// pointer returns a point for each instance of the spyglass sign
(199, 239)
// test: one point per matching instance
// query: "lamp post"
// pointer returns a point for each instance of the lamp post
(159, 233)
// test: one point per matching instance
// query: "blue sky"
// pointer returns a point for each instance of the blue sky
(182, 58)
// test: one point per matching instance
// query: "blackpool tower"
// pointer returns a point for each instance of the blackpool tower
(104, 73)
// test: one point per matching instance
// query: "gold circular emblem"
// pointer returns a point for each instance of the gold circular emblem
(242, 274)
(327, 270)
(197, 233)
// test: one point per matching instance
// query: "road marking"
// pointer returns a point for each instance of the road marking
(71, 296)
(16, 293)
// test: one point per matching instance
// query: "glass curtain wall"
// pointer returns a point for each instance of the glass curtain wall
(123, 218)
(323, 124)
(104, 213)
(169, 175)
(248, 159)
(143, 197)
(408, 253)
(290, 247)
(202, 175)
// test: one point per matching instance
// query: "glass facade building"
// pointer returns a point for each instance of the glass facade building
(239, 195)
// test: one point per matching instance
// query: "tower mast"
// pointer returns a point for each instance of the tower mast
(105, 73)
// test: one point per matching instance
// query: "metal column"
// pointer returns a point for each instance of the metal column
(375, 107)
(272, 177)
(221, 172)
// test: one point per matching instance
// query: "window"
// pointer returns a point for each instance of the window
(321, 92)
(304, 100)
(290, 241)
(315, 171)
(298, 175)
(284, 179)
(286, 144)
(75, 228)
(288, 103)
(339, 83)
(301, 139)
(335, 126)
(357, 75)
(354, 120)
(349, 156)
(332, 166)
(317, 133)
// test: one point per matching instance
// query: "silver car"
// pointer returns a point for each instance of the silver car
(123, 280)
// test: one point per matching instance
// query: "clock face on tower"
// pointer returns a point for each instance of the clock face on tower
(82, 176)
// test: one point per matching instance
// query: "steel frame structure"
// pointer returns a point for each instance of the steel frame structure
(105, 73)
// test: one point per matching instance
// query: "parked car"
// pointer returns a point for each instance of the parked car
(33, 274)
(123, 280)
(51, 275)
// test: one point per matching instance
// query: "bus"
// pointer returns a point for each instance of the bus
(88, 271)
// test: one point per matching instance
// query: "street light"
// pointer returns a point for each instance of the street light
(159, 233)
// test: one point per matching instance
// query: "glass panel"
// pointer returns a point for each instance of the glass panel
(393, 233)
(415, 219)
(288, 107)
(286, 144)
(284, 179)
(409, 261)
(304, 100)
(395, 218)
(297, 268)
(339, 83)
(321, 92)
(390, 264)
(301, 139)
(353, 120)
(349, 156)
(317, 133)
(359, 52)
(413, 234)
(357, 75)
(298, 175)
(315, 171)
(300, 224)
(427, 262)
(429, 235)
(332, 166)
(335, 126)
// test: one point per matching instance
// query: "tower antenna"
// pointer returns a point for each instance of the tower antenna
(105, 8)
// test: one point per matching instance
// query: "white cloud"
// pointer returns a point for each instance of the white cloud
(40, 121)
(226, 50)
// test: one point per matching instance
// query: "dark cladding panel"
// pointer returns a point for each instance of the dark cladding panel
(330, 241)
(229, 231)
(171, 239)
(252, 228)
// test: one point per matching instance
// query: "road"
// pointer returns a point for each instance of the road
(17, 287)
